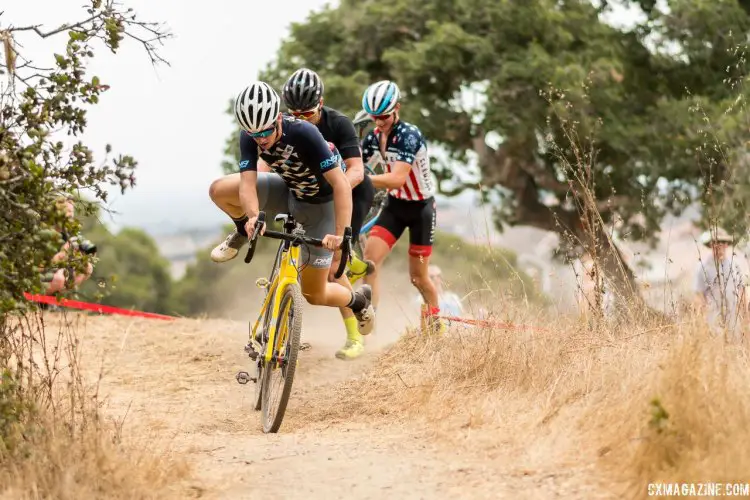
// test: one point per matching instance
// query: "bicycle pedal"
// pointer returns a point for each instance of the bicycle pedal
(243, 378)
(262, 283)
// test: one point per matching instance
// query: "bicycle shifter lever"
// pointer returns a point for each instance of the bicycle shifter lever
(346, 252)
(261, 220)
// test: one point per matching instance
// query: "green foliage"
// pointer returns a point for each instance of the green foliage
(655, 109)
(37, 109)
(471, 268)
(211, 288)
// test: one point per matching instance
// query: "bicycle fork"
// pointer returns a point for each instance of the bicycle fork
(253, 347)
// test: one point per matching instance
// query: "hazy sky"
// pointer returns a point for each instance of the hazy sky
(171, 118)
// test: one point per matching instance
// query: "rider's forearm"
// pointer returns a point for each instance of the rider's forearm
(391, 180)
(355, 171)
(342, 205)
(249, 197)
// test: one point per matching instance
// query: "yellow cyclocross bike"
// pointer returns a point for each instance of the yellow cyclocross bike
(275, 335)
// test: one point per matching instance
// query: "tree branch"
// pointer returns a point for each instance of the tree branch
(35, 28)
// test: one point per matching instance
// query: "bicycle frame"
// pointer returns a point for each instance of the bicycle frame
(285, 275)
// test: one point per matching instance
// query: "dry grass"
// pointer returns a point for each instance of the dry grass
(54, 442)
(61, 464)
(591, 394)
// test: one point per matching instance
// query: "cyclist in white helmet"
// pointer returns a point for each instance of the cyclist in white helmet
(411, 192)
(306, 180)
(303, 96)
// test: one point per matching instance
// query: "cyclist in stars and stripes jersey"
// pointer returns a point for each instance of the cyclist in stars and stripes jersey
(411, 204)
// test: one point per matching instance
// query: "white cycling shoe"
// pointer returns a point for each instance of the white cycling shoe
(366, 317)
(229, 248)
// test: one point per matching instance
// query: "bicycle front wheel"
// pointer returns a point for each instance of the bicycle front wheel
(278, 374)
(264, 329)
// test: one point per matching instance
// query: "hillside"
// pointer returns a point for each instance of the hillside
(477, 414)
(666, 270)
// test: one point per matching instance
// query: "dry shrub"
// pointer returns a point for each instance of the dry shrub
(594, 389)
(685, 418)
(53, 440)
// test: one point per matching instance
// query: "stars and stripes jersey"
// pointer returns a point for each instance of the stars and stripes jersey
(405, 143)
(301, 156)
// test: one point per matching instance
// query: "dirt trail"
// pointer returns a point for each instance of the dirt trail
(173, 385)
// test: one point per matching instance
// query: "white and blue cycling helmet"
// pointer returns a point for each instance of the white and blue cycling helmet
(381, 98)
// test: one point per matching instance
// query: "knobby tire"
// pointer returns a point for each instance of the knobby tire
(264, 331)
(272, 422)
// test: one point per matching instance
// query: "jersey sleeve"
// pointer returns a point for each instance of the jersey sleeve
(315, 152)
(345, 137)
(408, 145)
(368, 147)
(248, 154)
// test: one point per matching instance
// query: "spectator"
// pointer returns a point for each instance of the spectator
(57, 278)
(720, 283)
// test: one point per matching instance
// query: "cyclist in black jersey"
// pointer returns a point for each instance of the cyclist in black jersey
(306, 180)
(303, 95)
(411, 193)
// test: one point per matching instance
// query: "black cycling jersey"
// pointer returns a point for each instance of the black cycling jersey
(301, 156)
(338, 129)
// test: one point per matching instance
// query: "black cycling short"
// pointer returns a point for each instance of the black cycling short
(419, 216)
(362, 196)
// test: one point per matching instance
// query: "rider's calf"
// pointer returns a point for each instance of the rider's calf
(420, 279)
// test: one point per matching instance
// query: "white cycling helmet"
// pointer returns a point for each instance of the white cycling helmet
(257, 107)
(381, 97)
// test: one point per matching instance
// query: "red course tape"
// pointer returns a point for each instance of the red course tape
(492, 324)
(76, 304)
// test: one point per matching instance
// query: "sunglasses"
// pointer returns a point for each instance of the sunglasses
(381, 117)
(264, 133)
(305, 114)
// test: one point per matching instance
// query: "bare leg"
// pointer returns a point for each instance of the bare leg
(319, 291)
(225, 193)
(421, 280)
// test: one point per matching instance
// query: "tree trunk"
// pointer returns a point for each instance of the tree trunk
(524, 178)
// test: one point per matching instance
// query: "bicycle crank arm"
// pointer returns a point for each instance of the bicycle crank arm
(253, 349)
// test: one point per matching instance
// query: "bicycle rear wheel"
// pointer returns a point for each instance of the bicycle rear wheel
(278, 375)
